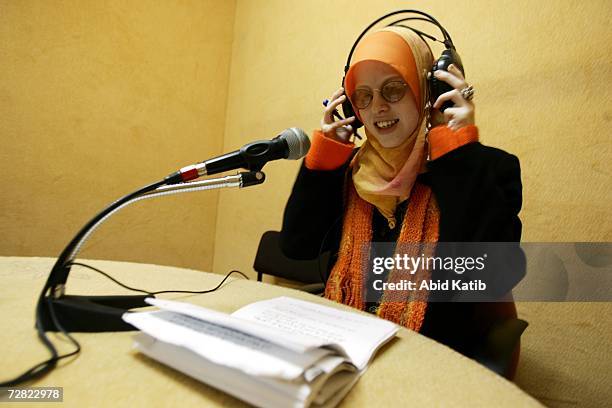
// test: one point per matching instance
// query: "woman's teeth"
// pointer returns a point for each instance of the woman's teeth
(386, 123)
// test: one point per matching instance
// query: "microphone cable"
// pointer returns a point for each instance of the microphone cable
(147, 292)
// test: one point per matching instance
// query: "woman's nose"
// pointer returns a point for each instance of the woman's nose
(379, 104)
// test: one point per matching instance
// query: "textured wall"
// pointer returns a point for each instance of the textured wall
(98, 99)
(541, 72)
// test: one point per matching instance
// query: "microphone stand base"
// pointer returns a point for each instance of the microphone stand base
(89, 314)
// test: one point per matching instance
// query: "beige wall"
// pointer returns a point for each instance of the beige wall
(98, 99)
(542, 76)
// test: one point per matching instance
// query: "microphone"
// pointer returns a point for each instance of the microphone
(292, 144)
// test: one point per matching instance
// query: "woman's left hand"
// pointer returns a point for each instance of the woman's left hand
(460, 115)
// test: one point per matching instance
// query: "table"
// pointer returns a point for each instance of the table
(108, 372)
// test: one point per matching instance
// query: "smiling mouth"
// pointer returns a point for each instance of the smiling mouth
(385, 124)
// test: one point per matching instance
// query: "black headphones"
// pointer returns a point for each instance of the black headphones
(436, 87)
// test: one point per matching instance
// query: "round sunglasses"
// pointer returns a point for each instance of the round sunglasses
(392, 91)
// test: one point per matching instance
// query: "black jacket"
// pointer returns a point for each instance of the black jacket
(478, 190)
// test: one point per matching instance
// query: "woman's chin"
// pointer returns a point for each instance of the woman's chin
(390, 139)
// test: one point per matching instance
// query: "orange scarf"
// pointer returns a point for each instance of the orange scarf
(347, 280)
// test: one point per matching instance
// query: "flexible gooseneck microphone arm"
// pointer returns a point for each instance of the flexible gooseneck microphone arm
(103, 313)
(59, 273)
(240, 180)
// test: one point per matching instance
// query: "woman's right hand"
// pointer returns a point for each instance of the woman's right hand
(339, 130)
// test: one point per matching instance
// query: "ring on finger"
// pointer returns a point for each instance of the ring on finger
(467, 93)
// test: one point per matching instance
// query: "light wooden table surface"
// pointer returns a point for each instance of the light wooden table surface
(411, 370)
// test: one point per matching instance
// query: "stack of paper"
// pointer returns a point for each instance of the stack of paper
(274, 353)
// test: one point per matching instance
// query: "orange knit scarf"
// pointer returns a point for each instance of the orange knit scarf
(349, 274)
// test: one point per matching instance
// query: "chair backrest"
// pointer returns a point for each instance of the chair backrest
(499, 351)
(270, 260)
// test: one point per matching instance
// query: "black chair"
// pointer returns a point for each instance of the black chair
(270, 260)
(499, 346)
(497, 349)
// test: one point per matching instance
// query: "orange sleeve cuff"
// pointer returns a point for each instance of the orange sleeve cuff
(326, 153)
(443, 140)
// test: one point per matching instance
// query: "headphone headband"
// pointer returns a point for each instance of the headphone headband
(448, 42)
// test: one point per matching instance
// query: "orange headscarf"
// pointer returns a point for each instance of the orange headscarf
(384, 176)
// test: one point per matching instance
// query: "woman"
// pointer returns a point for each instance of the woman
(403, 186)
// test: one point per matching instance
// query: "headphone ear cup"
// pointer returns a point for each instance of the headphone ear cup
(438, 87)
(347, 111)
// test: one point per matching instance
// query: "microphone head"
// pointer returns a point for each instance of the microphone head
(298, 142)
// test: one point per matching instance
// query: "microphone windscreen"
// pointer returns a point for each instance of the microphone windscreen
(298, 142)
